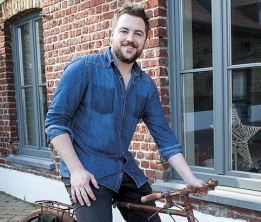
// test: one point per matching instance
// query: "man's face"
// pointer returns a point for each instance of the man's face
(128, 38)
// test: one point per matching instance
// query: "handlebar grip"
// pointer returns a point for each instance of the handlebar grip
(212, 183)
(151, 197)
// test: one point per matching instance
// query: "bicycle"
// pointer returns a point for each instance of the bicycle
(61, 212)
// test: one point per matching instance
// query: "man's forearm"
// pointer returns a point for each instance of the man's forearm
(62, 143)
(179, 163)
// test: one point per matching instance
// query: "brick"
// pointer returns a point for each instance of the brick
(137, 137)
(145, 164)
(160, 12)
(161, 82)
(150, 173)
(254, 219)
(162, 175)
(162, 22)
(96, 2)
(159, 166)
(136, 146)
(140, 155)
(153, 147)
(144, 146)
(149, 156)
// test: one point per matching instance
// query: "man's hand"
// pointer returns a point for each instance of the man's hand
(197, 183)
(179, 163)
(80, 178)
(80, 187)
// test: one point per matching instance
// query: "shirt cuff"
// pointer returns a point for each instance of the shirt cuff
(56, 130)
(167, 152)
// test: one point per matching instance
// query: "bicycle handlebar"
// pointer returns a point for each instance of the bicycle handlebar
(211, 184)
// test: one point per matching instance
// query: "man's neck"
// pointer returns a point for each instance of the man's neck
(124, 68)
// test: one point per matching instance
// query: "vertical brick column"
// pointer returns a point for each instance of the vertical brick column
(8, 116)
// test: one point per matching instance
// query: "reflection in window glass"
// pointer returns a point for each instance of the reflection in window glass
(41, 79)
(198, 119)
(39, 51)
(28, 115)
(246, 120)
(197, 34)
(43, 111)
(246, 31)
(25, 55)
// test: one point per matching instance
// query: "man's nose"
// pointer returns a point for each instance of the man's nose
(130, 37)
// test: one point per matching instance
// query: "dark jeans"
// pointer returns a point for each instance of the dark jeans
(101, 209)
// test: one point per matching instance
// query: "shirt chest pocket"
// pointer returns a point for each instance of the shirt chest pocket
(102, 100)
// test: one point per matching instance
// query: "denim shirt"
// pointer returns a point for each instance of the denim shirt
(100, 115)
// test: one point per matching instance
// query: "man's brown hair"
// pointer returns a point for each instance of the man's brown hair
(133, 9)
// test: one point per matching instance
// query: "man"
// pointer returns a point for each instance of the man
(98, 103)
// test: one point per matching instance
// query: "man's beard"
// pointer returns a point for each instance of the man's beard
(117, 51)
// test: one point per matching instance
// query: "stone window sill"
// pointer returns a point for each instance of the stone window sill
(31, 161)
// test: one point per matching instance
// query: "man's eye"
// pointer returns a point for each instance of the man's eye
(139, 34)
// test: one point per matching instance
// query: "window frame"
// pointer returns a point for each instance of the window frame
(38, 150)
(221, 41)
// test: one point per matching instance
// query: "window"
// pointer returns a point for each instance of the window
(30, 85)
(216, 71)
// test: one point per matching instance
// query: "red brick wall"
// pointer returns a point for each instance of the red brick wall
(8, 124)
(220, 210)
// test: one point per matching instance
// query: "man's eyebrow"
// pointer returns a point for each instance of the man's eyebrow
(129, 29)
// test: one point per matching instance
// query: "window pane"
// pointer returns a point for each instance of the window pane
(43, 112)
(246, 120)
(25, 55)
(39, 51)
(198, 119)
(246, 31)
(28, 116)
(197, 34)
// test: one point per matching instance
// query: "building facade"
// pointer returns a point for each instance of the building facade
(204, 56)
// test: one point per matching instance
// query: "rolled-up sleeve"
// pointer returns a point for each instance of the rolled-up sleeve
(159, 128)
(68, 95)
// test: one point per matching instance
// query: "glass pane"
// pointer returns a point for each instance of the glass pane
(43, 112)
(25, 55)
(246, 31)
(246, 120)
(28, 117)
(198, 119)
(197, 34)
(39, 51)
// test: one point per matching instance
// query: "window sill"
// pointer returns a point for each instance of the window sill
(31, 161)
(242, 198)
